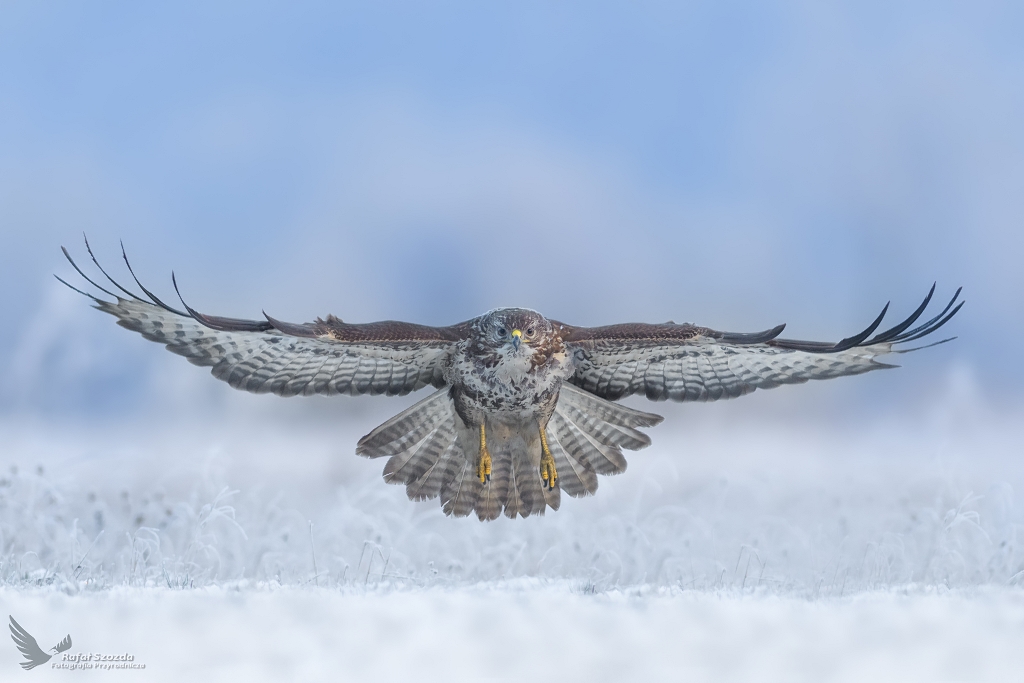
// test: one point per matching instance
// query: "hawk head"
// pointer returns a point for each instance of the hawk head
(515, 331)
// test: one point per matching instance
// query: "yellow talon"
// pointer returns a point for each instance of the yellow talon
(548, 473)
(483, 463)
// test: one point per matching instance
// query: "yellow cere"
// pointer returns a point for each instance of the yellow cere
(517, 333)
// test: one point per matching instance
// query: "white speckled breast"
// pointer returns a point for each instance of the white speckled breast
(492, 379)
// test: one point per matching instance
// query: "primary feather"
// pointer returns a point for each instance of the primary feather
(510, 375)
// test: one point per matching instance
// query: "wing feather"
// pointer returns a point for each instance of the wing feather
(691, 363)
(269, 356)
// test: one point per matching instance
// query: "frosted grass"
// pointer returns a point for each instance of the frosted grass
(765, 510)
(738, 547)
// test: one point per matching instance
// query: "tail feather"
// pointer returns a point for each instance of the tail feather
(458, 493)
(607, 432)
(407, 428)
(599, 408)
(407, 467)
(534, 494)
(575, 477)
(552, 497)
(494, 493)
(428, 485)
(603, 459)
(514, 485)
(433, 453)
(524, 495)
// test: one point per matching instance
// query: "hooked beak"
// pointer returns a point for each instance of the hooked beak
(517, 338)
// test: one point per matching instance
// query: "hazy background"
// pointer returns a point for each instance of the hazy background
(733, 164)
(737, 165)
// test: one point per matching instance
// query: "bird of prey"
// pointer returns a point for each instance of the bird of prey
(30, 648)
(523, 406)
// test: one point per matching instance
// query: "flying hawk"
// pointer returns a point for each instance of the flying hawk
(523, 405)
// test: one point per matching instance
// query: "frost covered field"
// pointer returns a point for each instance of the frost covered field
(737, 547)
(737, 165)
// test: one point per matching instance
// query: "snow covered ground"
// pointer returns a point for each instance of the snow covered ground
(741, 546)
(529, 630)
(735, 164)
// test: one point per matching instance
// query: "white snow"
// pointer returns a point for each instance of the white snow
(530, 630)
(738, 547)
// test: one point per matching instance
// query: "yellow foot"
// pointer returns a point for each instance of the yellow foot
(483, 463)
(548, 474)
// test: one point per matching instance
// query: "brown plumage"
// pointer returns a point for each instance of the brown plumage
(523, 405)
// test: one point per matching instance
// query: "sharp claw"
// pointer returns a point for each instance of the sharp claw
(483, 467)
(548, 473)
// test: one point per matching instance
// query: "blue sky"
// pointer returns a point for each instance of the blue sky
(732, 164)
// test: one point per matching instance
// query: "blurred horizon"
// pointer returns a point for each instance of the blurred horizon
(734, 165)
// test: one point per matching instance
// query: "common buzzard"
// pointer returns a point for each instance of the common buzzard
(523, 405)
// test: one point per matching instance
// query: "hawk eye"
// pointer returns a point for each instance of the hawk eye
(530, 332)
(502, 332)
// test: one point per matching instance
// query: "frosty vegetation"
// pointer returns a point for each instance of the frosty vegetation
(801, 522)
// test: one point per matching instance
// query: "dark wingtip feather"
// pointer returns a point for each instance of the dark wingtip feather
(752, 337)
(72, 287)
(856, 339)
(114, 282)
(155, 299)
(926, 346)
(293, 329)
(929, 325)
(936, 326)
(895, 335)
(893, 332)
(84, 276)
(217, 322)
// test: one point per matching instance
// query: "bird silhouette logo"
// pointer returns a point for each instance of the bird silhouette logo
(30, 648)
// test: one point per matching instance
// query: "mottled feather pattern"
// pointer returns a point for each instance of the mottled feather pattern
(586, 449)
(618, 415)
(408, 427)
(272, 362)
(409, 466)
(511, 372)
(574, 477)
(709, 370)
(427, 446)
(428, 485)
(460, 489)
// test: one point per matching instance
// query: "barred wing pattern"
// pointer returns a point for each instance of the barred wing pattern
(432, 451)
(270, 356)
(690, 363)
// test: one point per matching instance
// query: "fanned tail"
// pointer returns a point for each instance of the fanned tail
(404, 430)
(586, 435)
(524, 493)
(433, 453)
(425, 453)
(460, 489)
(429, 484)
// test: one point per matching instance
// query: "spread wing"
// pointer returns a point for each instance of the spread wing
(690, 363)
(28, 646)
(324, 357)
